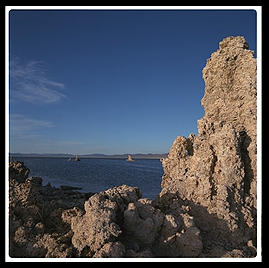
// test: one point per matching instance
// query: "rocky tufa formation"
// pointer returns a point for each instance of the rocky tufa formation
(36, 228)
(49, 222)
(214, 173)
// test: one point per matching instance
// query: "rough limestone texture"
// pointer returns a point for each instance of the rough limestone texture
(119, 223)
(214, 173)
(99, 225)
(18, 171)
(40, 216)
(179, 236)
(142, 221)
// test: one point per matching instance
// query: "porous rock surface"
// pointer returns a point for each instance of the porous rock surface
(101, 222)
(48, 222)
(214, 173)
(207, 206)
(38, 216)
(119, 223)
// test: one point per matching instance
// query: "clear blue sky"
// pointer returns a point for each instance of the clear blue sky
(112, 81)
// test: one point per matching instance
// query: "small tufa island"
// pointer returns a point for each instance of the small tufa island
(130, 159)
(207, 206)
(76, 159)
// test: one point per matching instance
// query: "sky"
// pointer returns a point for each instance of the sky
(111, 81)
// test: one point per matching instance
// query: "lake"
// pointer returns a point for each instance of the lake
(96, 175)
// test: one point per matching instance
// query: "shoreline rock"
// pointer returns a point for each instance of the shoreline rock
(207, 205)
(217, 178)
(36, 228)
(50, 222)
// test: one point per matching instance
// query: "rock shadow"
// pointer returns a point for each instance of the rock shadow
(244, 152)
(217, 237)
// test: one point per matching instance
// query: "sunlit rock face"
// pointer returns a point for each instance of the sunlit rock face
(215, 172)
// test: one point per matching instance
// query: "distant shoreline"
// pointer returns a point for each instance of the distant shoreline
(93, 156)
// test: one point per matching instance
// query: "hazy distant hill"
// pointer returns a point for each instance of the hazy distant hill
(123, 156)
(117, 156)
(40, 155)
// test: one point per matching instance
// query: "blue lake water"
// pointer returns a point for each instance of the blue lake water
(95, 175)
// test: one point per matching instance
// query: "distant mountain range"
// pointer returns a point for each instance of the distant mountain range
(116, 156)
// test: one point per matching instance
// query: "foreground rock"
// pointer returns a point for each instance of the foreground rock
(119, 223)
(101, 222)
(214, 173)
(49, 222)
(18, 171)
(36, 228)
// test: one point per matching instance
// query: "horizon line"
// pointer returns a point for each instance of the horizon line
(86, 153)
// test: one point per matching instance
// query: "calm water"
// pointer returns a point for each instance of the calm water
(95, 175)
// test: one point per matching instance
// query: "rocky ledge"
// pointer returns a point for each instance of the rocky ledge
(49, 222)
(207, 206)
